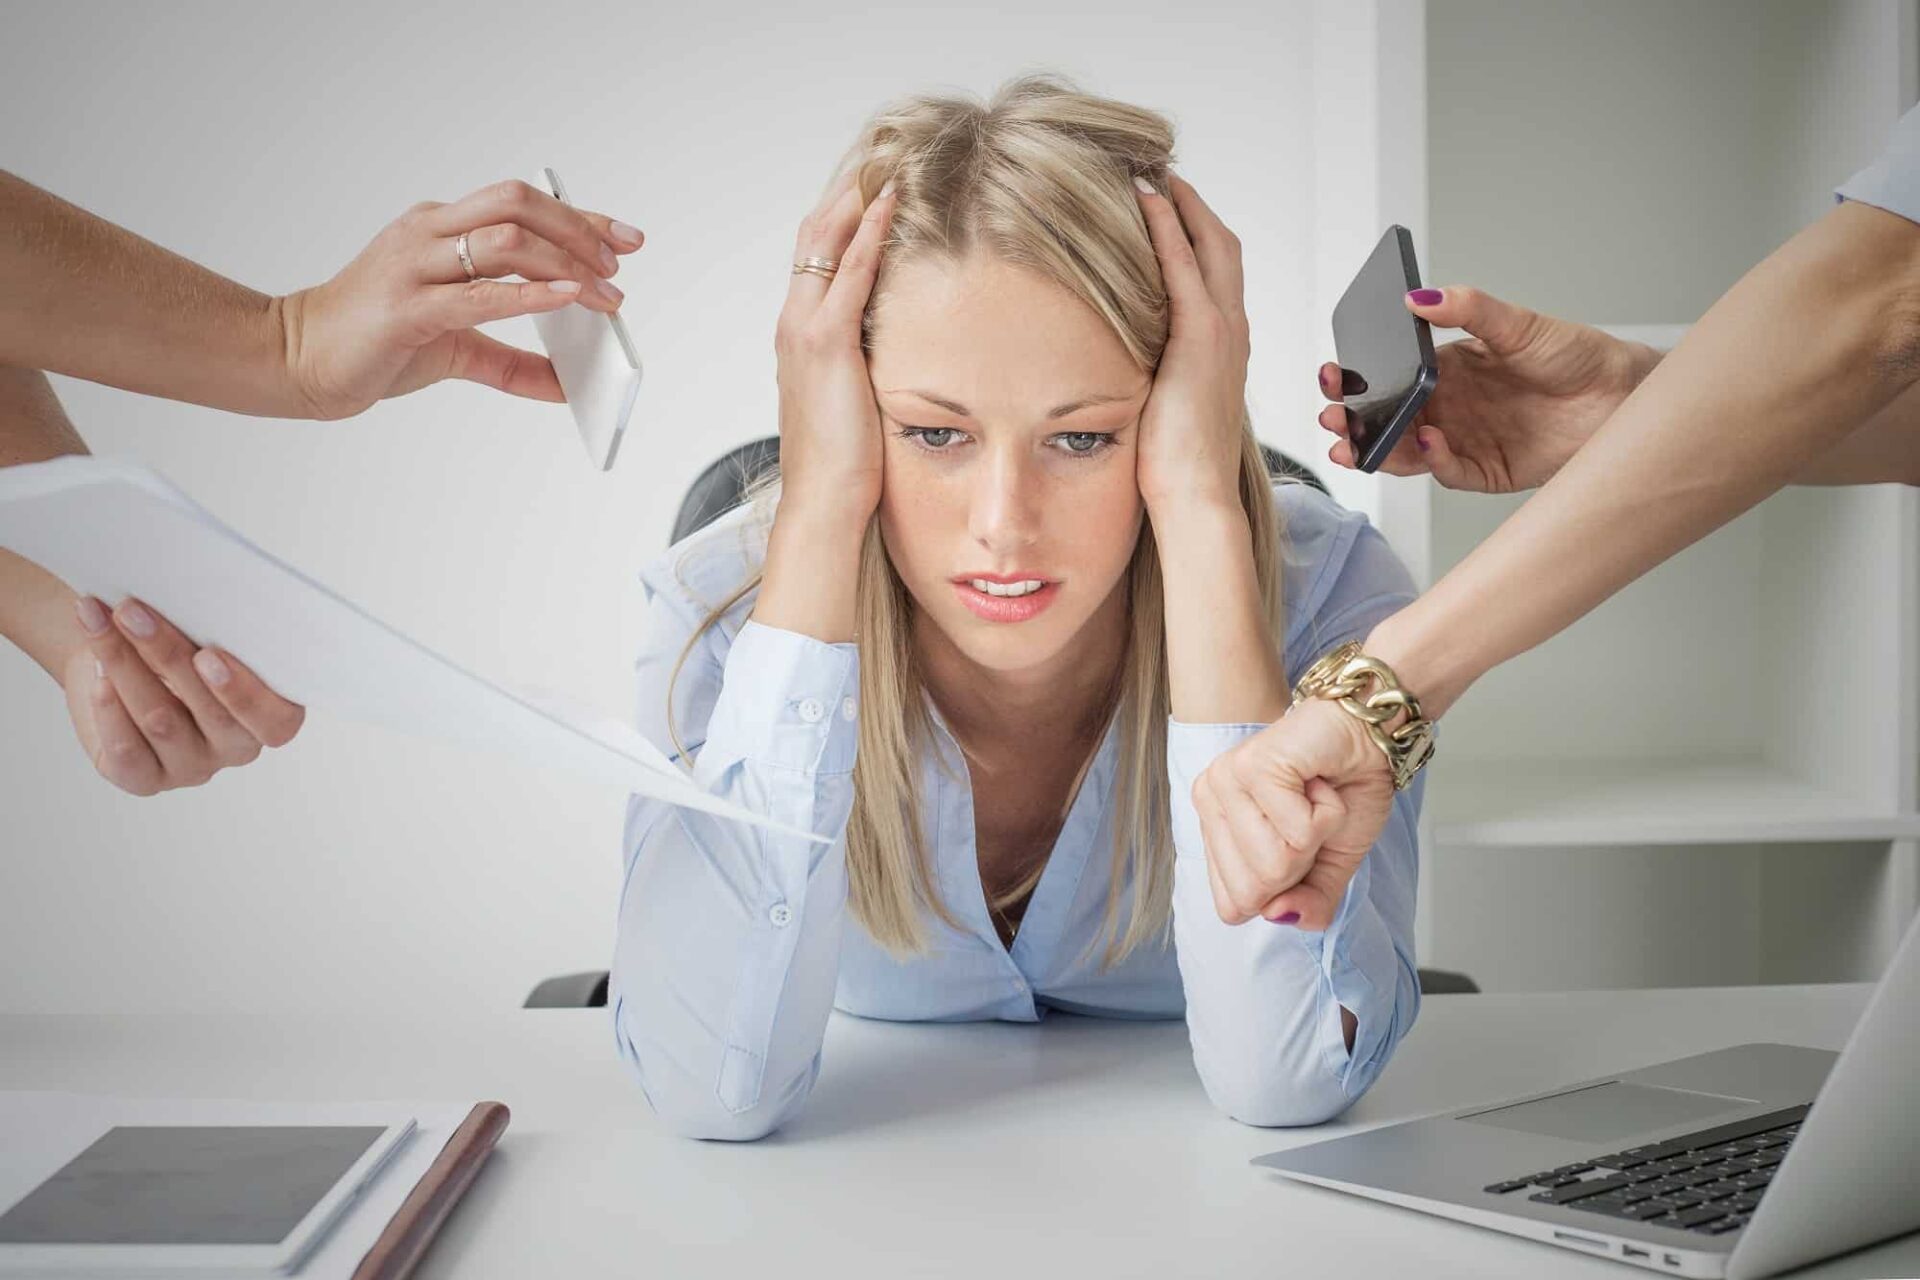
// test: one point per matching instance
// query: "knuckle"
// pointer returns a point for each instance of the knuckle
(514, 193)
(509, 237)
(162, 724)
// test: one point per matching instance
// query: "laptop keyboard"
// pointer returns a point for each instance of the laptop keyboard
(1710, 1181)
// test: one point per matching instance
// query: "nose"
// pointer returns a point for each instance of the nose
(1005, 505)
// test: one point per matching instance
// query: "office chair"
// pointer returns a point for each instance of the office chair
(718, 490)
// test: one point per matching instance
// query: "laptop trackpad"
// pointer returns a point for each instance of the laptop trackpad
(1606, 1112)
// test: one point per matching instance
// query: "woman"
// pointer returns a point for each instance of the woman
(1022, 522)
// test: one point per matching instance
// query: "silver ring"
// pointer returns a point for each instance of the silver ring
(822, 267)
(466, 256)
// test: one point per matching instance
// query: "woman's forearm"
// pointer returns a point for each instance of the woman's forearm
(83, 297)
(1812, 343)
(811, 578)
(1222, 664)
(36, 608)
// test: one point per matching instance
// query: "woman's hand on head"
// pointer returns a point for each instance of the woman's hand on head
(830, 448)
(402, 314)
(1190, 430)
(154, 711)
(1514, 400)
(1288, 814)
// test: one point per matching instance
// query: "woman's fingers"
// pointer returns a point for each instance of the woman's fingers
(509, 250)
(169, 656)
(852, 285)
(119, 750)
(1226, 871)
(1215, 248)
(478, 358)
(462, 306)
(526, 206)
(162, 719)
(825, 234)
(267, 716)
(1179, 266)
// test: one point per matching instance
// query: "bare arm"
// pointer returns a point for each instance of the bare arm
(36, 609)
(1807, 348)
(83, 297)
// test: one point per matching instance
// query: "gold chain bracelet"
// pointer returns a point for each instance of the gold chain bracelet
(1366, 689)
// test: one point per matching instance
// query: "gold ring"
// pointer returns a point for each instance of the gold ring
(466, 256)
(823, 267)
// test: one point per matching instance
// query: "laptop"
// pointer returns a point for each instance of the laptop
(1740, 1163)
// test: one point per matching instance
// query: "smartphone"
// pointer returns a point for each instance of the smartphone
(594, 356)
(1385, 351)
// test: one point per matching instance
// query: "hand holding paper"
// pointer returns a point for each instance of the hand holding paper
(114, 529)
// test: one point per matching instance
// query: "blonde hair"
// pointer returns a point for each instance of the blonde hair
(1040, 176)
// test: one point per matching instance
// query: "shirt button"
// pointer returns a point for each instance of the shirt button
(810, 710)
(847, 709)
(780, 915)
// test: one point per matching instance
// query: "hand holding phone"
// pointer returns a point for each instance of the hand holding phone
(1386, 355)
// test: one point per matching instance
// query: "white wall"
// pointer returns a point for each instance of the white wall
(270, 142)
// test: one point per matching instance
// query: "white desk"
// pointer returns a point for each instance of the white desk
(1072, 1148)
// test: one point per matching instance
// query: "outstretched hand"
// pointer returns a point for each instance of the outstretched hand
(1513, 401)
(402, 314)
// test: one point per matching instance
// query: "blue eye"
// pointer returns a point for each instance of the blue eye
(1083, 444)
(935, 439)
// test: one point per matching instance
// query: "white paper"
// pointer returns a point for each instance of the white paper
(114, 528)
(40, 1132)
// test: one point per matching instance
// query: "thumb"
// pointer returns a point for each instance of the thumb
(1505, 328)
(478, 358)
(1313, 903)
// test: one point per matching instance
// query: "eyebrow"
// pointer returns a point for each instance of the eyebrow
(1058, 411)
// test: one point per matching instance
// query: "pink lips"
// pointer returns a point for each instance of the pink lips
(1005, 608)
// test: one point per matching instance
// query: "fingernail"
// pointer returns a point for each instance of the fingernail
(93, 616)
(137, 620)
(1289, 917)
(626, 234)
(99, 669)
(1425, 297)
(608, 263)
(886, 189)
(211, 669)
(564, 286)
(1144, 187)
(1324, 383)
(1420, 438)
(610, 293)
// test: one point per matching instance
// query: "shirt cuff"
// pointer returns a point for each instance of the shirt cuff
(786, 700)
(1190, 749)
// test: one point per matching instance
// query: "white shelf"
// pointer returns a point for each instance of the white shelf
(1495, 804)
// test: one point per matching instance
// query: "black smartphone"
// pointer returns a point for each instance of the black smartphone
(1385, 351)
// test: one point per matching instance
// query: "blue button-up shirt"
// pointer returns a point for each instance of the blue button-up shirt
(735, 943)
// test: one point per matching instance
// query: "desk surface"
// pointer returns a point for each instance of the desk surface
(1075, 1147)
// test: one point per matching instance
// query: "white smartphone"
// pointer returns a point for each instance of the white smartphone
(594, 356)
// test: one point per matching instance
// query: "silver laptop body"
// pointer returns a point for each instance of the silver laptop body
(1807, 1183)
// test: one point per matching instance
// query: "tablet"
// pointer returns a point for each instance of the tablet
(594, 357)
(194, 1198)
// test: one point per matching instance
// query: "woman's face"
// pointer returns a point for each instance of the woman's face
(1009, 505)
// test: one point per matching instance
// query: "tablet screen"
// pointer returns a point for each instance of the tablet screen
(189, 1185)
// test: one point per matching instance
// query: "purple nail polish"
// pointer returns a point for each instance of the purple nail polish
(1289, 917)
(1426, 297)
(1421, 440)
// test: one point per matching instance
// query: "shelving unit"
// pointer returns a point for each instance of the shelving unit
(1718, 766)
